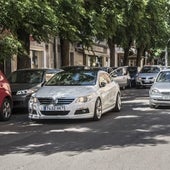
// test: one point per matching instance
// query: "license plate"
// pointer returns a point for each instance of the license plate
(147, 81)
(52, 108)
(166, 97)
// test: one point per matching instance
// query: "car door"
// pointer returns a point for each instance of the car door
(107, 91)
(119, 77)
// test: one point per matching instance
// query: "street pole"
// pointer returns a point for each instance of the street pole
(166, 54)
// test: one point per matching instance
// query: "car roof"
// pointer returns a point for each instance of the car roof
(90, 69)
(39, 69)
(166, 69)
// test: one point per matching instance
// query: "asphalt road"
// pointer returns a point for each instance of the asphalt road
(137, 138)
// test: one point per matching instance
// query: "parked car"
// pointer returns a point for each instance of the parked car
(25, 82)
(5, 98)
(121, 76)
(146, 76)
(159, 93)
(76, 94)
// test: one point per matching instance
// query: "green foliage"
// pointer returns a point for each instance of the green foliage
(9, 46)
(147, 22)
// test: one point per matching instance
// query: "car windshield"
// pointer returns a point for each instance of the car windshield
(150, 70)
(26, 76)
(163, 77)
(132, 70)
(73, 78)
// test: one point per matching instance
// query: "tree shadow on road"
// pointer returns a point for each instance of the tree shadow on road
(136, 125)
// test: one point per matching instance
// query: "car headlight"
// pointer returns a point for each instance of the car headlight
(139, 78)
(84, 99)
(26, 92)
(154, 92)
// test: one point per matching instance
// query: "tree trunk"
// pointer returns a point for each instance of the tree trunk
(126, 54)
(64, 52)
(139, 55)
(112, 51)
(55, 53)
(23, 59)
(84, 56)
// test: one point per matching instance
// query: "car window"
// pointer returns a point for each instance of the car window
(163, 77)
(27, 76)
(48, 76)
(117, 72)
(73, 78)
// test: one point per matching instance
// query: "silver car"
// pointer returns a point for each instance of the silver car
(159, 93)
(146, 76)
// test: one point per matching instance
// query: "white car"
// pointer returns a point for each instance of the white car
(76, 94)
(159, 93)
(121, 76)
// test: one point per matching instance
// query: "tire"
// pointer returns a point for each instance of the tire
(6, 110)
(123, 88)
(97, 110)
(129, 84)
(138, 86)
(153, 106)
(118, 103)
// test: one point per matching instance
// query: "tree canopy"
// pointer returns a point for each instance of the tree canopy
(121, 22)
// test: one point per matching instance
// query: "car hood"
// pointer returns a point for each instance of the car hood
(18, 86)
(147, 74)
(162, 86)
(65, 91)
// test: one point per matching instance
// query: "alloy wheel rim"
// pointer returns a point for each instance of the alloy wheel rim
(98, 109)
(119, 102)
(6, 110)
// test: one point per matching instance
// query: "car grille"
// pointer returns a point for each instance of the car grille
(149, 78)
(165, 93)
(14, 93)
(61, 101)
(54, 113)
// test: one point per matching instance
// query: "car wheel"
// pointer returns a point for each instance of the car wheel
(118, 103)
(153, 106)
(123, 87)
(98, 110)
(6, 109)
(129, 84)
(138, 86)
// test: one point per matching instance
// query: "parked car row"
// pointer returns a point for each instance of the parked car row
(78, 91)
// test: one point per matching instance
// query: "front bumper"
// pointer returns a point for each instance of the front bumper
(144, 83)
(71, 111)
(20, 101)
(159, 101)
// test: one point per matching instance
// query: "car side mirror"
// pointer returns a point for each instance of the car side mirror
(114, 75)
(102, 84)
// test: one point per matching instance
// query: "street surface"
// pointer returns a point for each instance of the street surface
(137, 138)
